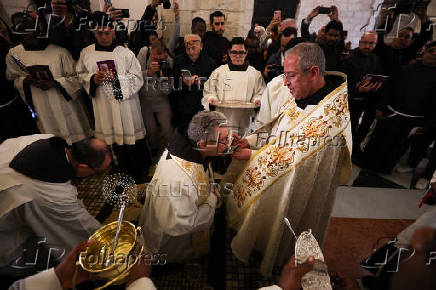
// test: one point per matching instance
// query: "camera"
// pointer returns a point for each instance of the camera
(166, 4)
(165, 68)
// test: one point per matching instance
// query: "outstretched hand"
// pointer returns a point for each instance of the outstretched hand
(290, 278)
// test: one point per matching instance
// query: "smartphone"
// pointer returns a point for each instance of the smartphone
(278, 15)
(126, 13)
(324, 10)
(186, 74)
(377, 78)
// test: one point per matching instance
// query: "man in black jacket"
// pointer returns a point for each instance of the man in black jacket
(406, 109)
(215, 44)
(328, 38)
(188, 90)
(362, 94)
(403, 48)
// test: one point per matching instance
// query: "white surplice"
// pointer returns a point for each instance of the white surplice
(116, 121)
(294, 176)
(273, 98)
(178, 207)
(66, 119)
(225, 85)
(30, 207)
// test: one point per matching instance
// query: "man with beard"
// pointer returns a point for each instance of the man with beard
(328, 38)
(362, 93)
(215, 44)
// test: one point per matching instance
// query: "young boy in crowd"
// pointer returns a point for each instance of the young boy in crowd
(112, 77)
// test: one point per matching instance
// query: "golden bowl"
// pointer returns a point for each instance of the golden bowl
(109, 264)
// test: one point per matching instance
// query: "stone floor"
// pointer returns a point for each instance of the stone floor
(364, 217)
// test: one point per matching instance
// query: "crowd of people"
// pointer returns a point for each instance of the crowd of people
(81, 93)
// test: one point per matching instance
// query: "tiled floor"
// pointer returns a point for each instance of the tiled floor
(361, 216)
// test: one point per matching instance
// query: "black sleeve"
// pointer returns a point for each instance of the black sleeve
(425, 35)
(148, 13)
(92, 87)
(305, 29)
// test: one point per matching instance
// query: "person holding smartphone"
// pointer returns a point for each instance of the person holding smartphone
(188, 87)
(329, 38)
(363, 92)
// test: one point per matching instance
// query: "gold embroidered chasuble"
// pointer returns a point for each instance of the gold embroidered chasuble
(295, 176)
(178, 210)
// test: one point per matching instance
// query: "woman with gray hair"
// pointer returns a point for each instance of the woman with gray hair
(180, 203)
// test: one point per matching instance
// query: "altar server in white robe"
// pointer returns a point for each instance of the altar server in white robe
(180, 202)
(296, 174)
(58, 102)
(112, 77)
(235, 81)
(37, 198)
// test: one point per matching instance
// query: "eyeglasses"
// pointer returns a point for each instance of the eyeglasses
(218, 23)
(238, 52)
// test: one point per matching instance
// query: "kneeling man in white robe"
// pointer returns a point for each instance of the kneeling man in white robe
(295, 175)
(37, 198)
(180, 202)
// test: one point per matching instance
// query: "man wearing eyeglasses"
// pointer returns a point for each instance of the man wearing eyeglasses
(235, 81)
(180, 201)
(363, 92)
(295, 175)
(37, 198)
(215, 44)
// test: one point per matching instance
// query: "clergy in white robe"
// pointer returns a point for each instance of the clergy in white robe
(273, 98)
(180, 202)
(117, 111)
(236, 81)
(37, 198)
(295, 175)
(112, 76)
(60, 108)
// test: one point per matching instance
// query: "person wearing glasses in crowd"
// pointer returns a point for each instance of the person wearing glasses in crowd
(235, 81)
(188, 87)
(215, 44)
(37, 198)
